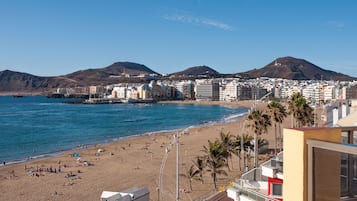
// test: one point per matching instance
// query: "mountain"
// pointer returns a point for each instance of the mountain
(124, 72)
(11, 81)
(197, 72)
(116, 69)
(295, 69)
(115, 73)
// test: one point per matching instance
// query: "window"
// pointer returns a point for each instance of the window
(277, 189)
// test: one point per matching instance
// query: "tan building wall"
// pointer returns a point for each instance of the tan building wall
(295, 161)
(327, 168)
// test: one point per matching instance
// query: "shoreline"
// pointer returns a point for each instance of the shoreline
(128, 152)
(131, 162)
(56, 153)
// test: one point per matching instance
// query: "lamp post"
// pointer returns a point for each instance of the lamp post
(177, 138)
(163, 162)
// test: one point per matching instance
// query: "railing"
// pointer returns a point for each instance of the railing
(247, 189)
(254, 175)
(253, 194)
(275, 162)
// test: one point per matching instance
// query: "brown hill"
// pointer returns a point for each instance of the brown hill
(116, 69)
(197, 72)
(295, 69)
(11, 81)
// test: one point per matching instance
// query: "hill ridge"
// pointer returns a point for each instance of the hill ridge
(294, 69)
(284, 67)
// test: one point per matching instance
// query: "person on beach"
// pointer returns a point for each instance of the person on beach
(4, 163)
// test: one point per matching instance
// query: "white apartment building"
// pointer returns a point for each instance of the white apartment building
(229, 91)
(328, 93)
(207, 90)
(312, 92)
(119, 92)
(184, 90)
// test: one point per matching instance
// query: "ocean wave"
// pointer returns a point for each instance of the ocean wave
(134, 120)
(234, 117)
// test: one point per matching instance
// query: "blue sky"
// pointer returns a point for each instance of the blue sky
(48, 37)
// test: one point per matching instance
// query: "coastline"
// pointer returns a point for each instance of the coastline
(55, 153)
(125, 163)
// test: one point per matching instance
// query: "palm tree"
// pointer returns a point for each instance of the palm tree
(227, 146)
(215, 160)
(242, 143)
(301, 112)
(200, 165)
(277, 113)
(192, 174)
(259, 122)
(293, 106)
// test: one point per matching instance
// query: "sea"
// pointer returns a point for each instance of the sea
(32, 127)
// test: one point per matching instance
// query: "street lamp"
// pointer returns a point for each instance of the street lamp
(177, 138)
(163, 163)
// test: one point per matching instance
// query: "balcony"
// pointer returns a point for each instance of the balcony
(273, 169)
(253, 185)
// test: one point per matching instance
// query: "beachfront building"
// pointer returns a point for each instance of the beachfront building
(144, 92)
(229, 91)
(184, 90)
(157, 92)
(250, 92)
(96, 91)
(169, 92)
(120, 92)
(207, 90)
(64, 91)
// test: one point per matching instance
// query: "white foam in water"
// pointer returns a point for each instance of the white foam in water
(234, 117)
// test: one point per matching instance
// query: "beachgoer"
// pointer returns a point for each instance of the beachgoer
(4, 163)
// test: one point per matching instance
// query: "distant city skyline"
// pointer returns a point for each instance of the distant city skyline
(50, 38)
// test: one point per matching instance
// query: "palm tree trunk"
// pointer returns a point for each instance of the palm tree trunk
(280, 139)
(292, 121)
(239, 161)
(214, 180)
(229, 168)
(231, 162)
(256, 150)
(244, 161)
(276, 139)
(190, 181)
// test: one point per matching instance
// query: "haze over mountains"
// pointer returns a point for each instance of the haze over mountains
(285, 67)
